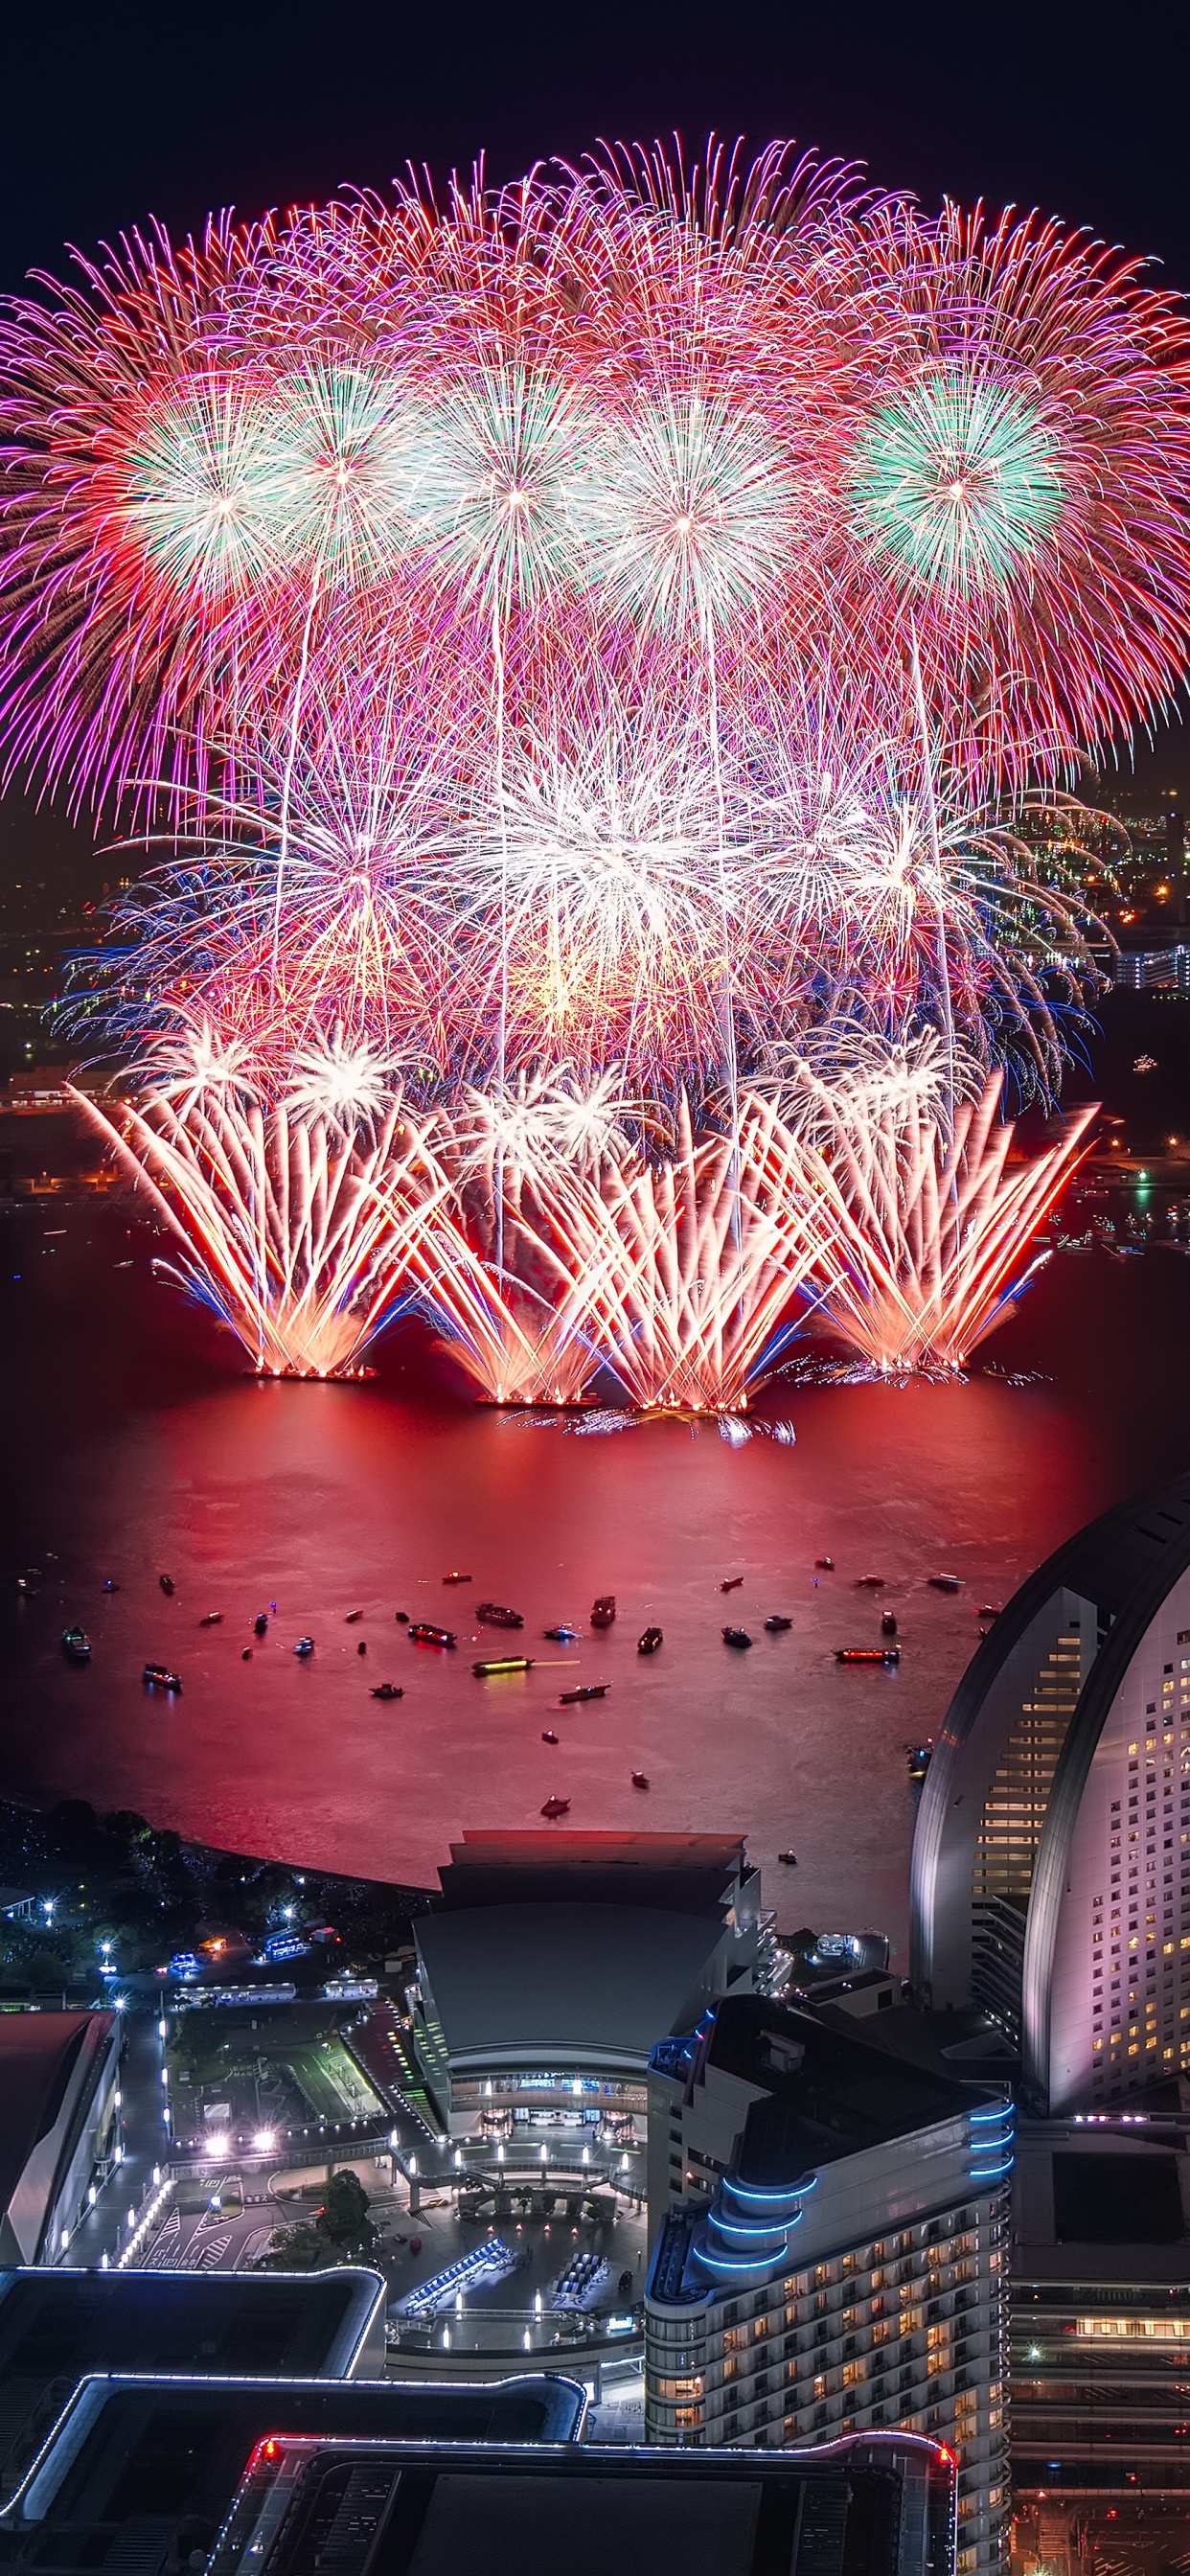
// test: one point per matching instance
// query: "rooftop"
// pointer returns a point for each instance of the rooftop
(192, 2439)
(830, 2094)
(58, 2326)
(590, 1982)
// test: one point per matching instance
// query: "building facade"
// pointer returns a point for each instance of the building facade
(546, 1975)
(1101, 2329)
(1051, 1861)
(830, 2254)
(59, 2073)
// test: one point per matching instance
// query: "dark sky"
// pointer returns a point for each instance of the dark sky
(116, 111)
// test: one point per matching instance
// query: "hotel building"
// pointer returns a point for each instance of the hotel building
(832, 2257)
(1051, 1862)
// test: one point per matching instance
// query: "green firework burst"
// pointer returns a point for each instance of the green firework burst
(959, 481)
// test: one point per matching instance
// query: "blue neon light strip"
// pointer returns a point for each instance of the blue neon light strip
(1004, 2112)
(726, 2227)
(990, 2173)
(741, 2191)
(728, 2263)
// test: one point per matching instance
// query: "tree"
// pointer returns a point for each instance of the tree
(340, 2232)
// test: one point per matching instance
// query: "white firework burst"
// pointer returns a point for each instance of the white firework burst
(201, 489)
(342, 1081)
(201, 1062)
(486, 485)
(342, 441)
(688, 514)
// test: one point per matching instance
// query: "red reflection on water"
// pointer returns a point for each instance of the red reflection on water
(135, 1449)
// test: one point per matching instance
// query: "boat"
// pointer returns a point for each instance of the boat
(649, 1640)
(640, 1779)
(888, 1623)
(502, 1664)
(548, 1736)
(991, 1610)
(351, 1618)
(304, 1646)
(260, 1623)
(402, 1618)
(562, 1635)
(735, 1637)
(388, 1690)
(867, 1654)
(159, 1677)
(362, 1647)
(494, 1615)
(246, 1654)
(556, 1807)
(586, 1690)
(76, 1645)
(109, 1586)
(424, 1633)
(211, 1619)
(166, 1582)
(603, 1610)
(919, 1757)
(824, 1565)
(733, 1584)
(870, 1582)
(456, 1577)
(776, 1625)
(789, 1858)
(946, 1582)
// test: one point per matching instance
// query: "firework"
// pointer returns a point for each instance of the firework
(696, 1260)
(601, 654)
(296, 1235)
(932, 1228)
(1013, 494)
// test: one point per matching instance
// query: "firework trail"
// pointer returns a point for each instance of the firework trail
(297, 1234)
(931, 1226)
(695, 1260)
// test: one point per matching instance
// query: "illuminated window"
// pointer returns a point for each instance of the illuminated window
(853, 2372)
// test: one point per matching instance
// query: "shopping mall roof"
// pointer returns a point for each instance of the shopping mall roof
(562, 1985)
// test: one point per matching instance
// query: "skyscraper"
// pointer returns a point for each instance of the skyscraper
(832, 2254)
(1051, 1862)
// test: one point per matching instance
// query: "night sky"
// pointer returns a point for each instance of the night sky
(116, 113)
